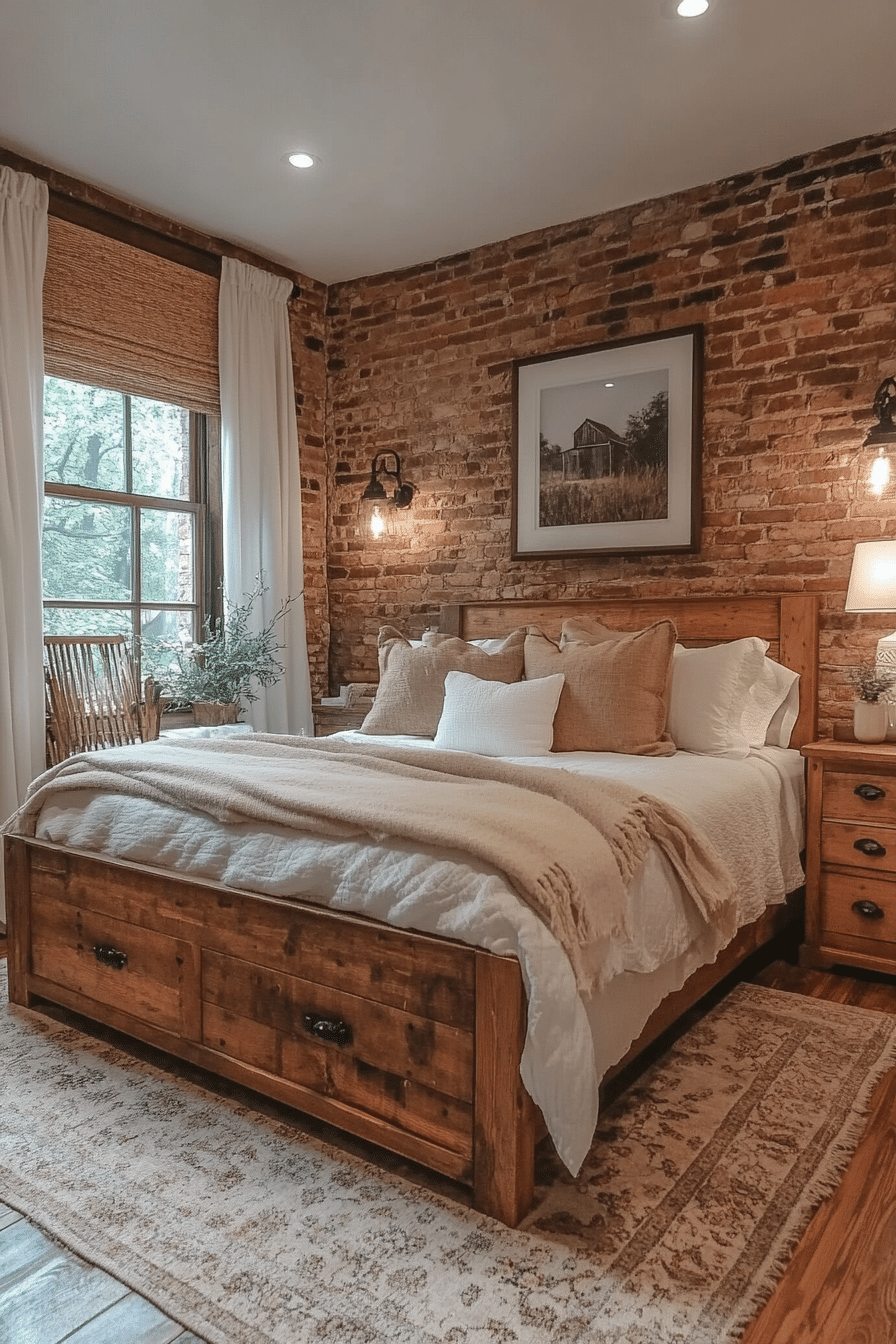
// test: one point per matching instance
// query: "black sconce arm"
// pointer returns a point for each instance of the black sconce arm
(404, 492)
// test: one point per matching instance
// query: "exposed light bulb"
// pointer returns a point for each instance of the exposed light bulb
(377, 523)
(880, 474)
(691, 9)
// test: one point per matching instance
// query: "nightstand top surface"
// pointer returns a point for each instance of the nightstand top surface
(827, 749)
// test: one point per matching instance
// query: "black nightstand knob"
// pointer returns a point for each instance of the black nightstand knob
(868, 909)
(871, 848)
(870, 792)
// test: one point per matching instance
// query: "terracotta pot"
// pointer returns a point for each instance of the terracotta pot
(211, 713)
(870, 720)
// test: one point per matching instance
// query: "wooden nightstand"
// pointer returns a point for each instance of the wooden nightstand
(334, 718)
(851, 856)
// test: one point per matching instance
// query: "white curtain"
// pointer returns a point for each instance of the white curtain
(260, 478)
(23, 258)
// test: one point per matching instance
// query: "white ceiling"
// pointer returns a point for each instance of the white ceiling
(440, 124)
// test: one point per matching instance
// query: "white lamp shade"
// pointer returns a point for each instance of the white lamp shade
(872, 580)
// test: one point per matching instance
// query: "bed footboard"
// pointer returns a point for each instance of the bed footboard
(409, 1041)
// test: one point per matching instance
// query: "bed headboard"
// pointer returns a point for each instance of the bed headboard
(789, 621)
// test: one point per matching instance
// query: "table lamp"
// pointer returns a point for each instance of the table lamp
(872, 587)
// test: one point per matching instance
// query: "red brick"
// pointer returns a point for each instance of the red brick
(792, 361)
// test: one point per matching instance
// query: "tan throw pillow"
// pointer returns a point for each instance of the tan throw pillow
(412, 680)
(614, 697)
(590, 631)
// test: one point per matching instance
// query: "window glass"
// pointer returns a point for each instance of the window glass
(166, 551)
(174, 627)
(160, 439)
(168, 625)
(86, 550)
(122, 516)
(84, 435)
(86, 621)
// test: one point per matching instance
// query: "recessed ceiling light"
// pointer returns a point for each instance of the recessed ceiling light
(609, 384)
(301, 160)
(691, 9)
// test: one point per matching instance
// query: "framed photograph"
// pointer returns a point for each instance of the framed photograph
(606, 450)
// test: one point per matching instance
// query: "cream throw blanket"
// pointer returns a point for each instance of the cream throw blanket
(568, 845)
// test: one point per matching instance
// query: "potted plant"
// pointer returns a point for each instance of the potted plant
(214, 677)
(870, 714)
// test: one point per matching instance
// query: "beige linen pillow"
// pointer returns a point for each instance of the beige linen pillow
(614, 697)
(411, 692)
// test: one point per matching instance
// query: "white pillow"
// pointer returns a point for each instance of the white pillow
(488, 645)
(508, 719)
(708, 694)
(432, 637)
(773, 703)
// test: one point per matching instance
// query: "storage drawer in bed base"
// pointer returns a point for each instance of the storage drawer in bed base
(411, 1042)
(480, 1132)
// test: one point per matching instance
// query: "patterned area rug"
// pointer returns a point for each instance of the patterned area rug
(700, 1182)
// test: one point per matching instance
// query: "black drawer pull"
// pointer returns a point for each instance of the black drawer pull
(868, 909)
(328, 1029)
(871, 848)
(107, 955)
(870, 792)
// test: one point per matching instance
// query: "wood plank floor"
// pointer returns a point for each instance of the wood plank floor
(840, 1287)
(48, 1295)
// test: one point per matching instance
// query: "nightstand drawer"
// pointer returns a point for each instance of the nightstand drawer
(869, 796)
(850, 856)
(856, 845)
(337, 718)
(860, 907)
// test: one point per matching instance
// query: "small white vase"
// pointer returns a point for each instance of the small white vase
(870, 720)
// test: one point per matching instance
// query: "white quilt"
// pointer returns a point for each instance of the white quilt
(751, 811)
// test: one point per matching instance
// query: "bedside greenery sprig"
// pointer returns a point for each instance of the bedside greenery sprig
(229, 658)
(869, 681)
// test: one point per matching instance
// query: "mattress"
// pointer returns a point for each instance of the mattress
(751, 810)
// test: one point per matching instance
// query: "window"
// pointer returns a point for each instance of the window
(129, 522)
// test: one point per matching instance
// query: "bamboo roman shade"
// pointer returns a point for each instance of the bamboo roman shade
(120, 317)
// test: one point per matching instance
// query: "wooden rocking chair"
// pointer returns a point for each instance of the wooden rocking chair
(93, 699)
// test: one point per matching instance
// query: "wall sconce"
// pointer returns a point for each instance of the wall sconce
(378, 510)
(882, 435)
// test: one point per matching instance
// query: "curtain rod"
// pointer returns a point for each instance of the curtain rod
(89, 207)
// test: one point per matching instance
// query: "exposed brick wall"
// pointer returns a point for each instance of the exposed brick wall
(306, 330)
(791, 271)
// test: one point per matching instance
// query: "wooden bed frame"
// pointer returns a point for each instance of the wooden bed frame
(410, 1041)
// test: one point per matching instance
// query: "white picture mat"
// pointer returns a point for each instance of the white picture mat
(675, 354)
